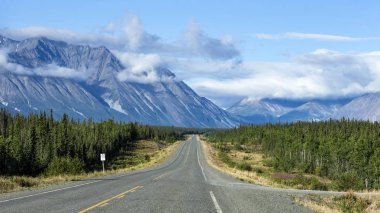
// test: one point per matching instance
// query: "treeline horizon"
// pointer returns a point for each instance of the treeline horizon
(39, 144)
(346, 151)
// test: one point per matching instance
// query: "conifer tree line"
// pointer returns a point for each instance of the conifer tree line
(346, 151)
(37, 143)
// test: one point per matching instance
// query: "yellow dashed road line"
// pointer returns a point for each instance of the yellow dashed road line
(160, 176)
(107, 201)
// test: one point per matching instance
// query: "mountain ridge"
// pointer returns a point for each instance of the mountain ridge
(83, 81)
(363, 107)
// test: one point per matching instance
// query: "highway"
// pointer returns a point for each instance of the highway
(185, 183)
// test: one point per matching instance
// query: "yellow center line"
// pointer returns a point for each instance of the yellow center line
(105, 202)
(161, 176)
(158, 177)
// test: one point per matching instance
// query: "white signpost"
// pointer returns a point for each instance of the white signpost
(103, 158)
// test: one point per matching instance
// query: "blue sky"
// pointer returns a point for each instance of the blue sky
(253, 43)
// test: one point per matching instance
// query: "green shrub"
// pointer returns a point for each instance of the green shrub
(237, 146)
(318, 171)
(350, 203)
(223, 147)
(258, 170)
(24, 181)
(65, 165)
(268, 162)
(298, 180)
(315, 184)
(348, 181)
(244, 166)
(147, 157)
(227, 160)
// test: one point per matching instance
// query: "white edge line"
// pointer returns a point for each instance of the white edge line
(55, 190)
(203, 173)
(217, 207)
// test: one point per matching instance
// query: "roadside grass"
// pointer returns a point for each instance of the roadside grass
(254, 167)
(350, 202)
(146, 155)
(218, 161)
(261, 171)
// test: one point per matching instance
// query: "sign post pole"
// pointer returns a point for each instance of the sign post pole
(103, 158)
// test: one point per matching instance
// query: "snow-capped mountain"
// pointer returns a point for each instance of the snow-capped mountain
(310, 111)
(258, 111)
(82, 81)
(286, 110)
(366, 107)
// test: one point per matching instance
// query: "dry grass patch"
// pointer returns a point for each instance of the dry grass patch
(347, 203)
(316, 204)
(17, 183)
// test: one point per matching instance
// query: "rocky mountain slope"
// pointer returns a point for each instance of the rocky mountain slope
(41, 74)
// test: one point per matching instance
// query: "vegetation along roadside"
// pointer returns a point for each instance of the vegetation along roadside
(330, 155)
(38, 150)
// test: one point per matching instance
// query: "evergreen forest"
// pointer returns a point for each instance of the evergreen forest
(39, 144)
(345, 151)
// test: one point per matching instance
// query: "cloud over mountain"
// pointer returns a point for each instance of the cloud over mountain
(319, 74)
(50, 70)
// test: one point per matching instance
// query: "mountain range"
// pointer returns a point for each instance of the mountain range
(364, 107)
(39, 74)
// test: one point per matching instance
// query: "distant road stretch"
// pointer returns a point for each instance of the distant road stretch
(186, 183)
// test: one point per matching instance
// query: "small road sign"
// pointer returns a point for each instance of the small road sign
(103, 158)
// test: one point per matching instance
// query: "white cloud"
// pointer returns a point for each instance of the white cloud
(319, 74)
(200, 43)
(51, 70)
(189, 67)
(5, 66)
(322, 37)
(267, 36)
(127, 34)
(134, 32)
(312, 36)
(109, 28)
(62, 35)
(141, 68)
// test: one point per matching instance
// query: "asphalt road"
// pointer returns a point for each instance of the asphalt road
(185, 183)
